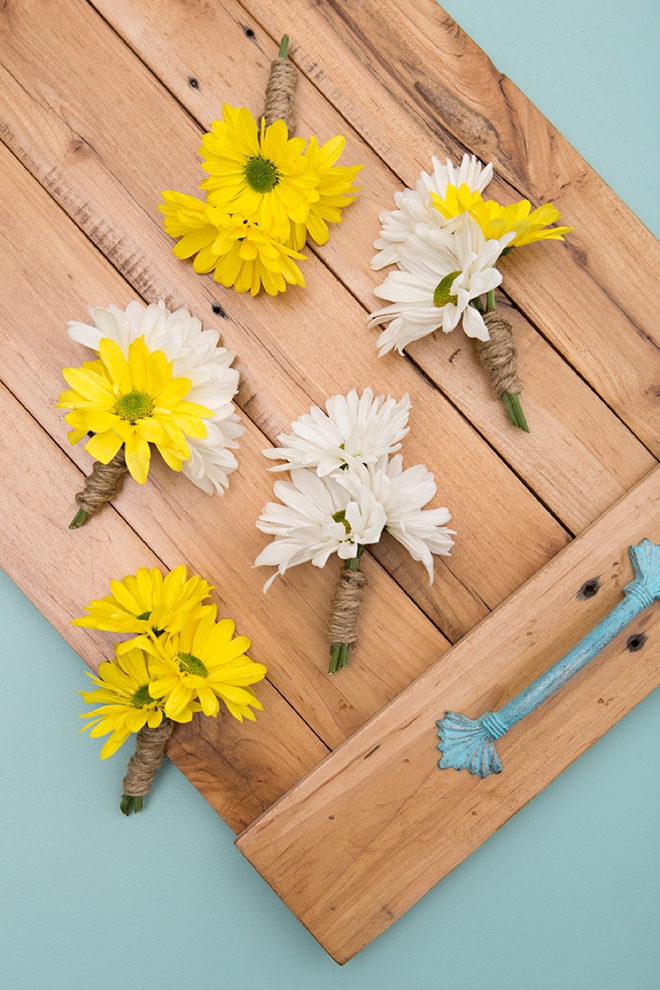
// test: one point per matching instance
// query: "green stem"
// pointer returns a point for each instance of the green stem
(490, 300)
(128, 804)
(514, 409)
(284, 46)
(477, 303)
(80, 517)
(339, 652)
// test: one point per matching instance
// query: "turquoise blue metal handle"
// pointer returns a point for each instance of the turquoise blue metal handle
(469, 744)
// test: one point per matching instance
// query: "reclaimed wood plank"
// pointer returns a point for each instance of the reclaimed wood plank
(408, 63)
(71, 122)
(356, 843)
(173, 516)
(570, 424)
(240, 769)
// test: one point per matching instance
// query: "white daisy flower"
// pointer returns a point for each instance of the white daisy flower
(402, 495)
(442, 273)
(195, 355)
(319, 517)
(353, 431)
(416, 214)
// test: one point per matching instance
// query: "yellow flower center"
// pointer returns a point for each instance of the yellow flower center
(192, 665)
(261, 174)
(134, 406)
(442, 294)
(341, 517)
(141, 697)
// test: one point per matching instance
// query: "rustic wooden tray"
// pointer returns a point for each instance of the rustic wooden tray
(101, 107)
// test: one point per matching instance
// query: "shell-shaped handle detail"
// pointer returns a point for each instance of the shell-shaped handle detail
(469, 744)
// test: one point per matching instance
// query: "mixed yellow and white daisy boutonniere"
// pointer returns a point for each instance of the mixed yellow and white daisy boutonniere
(158, 379)
(182, 660)
(346, 489)
(267, 193)
(445, 240)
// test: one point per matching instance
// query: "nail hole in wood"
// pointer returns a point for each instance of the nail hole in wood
(249, 32)
(589, 589)
(636, 642)
(331, 817)
(219, 311)
(193, 82)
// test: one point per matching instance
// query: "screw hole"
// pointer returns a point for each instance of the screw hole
(636, 642)
(249, 32)
(219, 311)
(193, 82)
(589, 589)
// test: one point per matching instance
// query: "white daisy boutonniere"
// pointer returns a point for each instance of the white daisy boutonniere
(158, 379)
(345, 491)
(446, 240)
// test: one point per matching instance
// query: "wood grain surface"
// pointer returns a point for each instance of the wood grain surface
(102, 105)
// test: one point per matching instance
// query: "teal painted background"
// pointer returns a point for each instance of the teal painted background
(564, 897)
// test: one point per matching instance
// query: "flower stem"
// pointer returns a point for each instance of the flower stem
(284, 46)
(339, 652)
(514, 409)
(80, 517)
(511, 401)
(129, 803)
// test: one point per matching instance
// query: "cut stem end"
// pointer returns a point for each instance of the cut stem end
(514, 410)
(130, 804)
(284, 46)
(80, 517)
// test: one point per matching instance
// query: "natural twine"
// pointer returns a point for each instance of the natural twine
(345, 606)
(148, 756)
(498, 355)
(280, 102)
(102, 483)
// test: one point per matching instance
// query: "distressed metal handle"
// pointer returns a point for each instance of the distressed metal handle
(469, 744)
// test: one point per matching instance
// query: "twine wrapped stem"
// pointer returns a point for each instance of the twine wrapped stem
(100, 486)
(499, 357)
(280, 99)
(344, 611)
(143, 764)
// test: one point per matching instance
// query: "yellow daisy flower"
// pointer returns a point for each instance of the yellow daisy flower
(264, 175)
(204, 663)
(133, 402)
(233, 247)
(126, 703)
(496, 220)
(148, 605)
(335, 191)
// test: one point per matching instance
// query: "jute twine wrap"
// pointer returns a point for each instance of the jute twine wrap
(498, 355)
(280, 102)
(345, 606)
(102, 483)
(148, 756)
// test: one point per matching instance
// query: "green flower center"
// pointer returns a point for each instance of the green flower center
(144, 618)
(442, 294)
(192, 665)
(134, 406)
(261, 174)
(341, 517)
(142, 697)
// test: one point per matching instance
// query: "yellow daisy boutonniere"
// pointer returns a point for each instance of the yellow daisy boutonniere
(158, 380)
(266, 193)
(164, 675)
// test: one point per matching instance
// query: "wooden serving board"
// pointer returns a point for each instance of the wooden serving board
(102, 105)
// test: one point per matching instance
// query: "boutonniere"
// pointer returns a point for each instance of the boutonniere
(446, 240)
(159, 379)
(267, 193)
(347, 487)
(180, 660)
